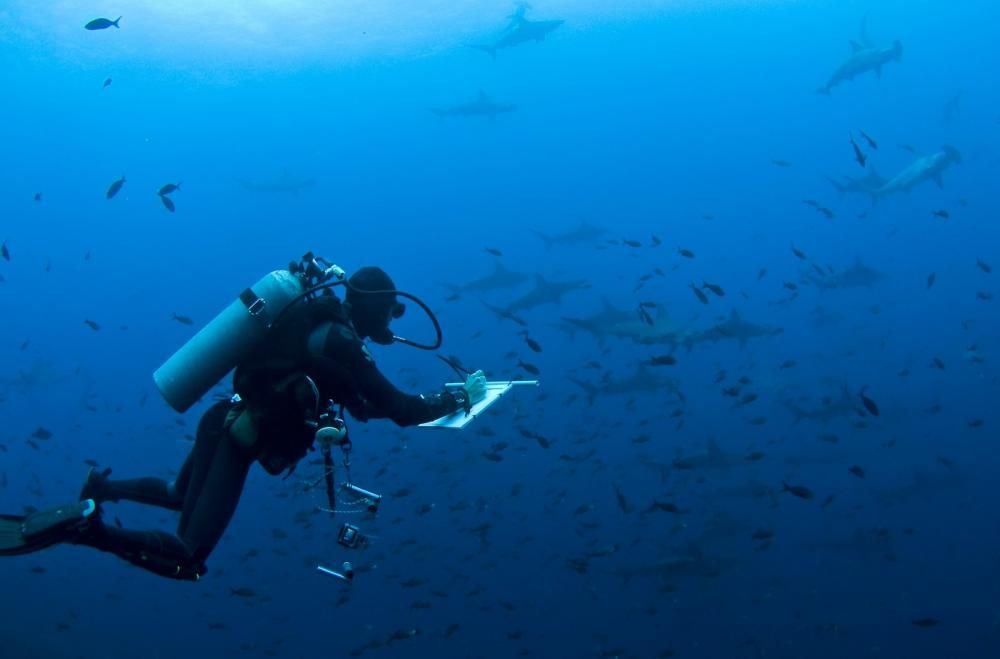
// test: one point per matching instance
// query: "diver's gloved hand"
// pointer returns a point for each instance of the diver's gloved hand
(475, 387)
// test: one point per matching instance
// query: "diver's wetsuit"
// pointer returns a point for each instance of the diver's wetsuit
(316, 340)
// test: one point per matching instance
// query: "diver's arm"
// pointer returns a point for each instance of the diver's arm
(382, 400)
(386, 401)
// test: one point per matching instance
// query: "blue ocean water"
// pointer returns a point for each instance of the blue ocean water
(624, 508)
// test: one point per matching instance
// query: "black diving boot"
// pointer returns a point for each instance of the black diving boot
(96, 486)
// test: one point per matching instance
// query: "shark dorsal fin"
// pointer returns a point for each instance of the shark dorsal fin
(863, 35)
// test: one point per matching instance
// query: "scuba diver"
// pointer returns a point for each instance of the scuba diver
(292, 381)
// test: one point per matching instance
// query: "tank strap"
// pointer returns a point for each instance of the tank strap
(256, 305)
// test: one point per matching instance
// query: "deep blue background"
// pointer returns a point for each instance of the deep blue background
(642, 120)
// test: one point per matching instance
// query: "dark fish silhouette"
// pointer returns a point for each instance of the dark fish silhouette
(800, 491)
(530, 368)
(869, 404)
(169, 188)
(859, 155)
(167, 203)
(4, 252)
(183, 320)
(856, 471)
(115, 188)
(714, 288)
(534, 345)
(662, 507)
(623, 504)
(931, 278)
(872, 143)
(697, 292)
(107, 83)
(663, 360)
(102, 24)
(686, 253)
(91, 324)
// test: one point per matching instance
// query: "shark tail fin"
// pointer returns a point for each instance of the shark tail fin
(497, 311)
(590, 390)
(840, 187)
(863, 36)
(547, 239)
(488, 49)
(115, 22)
(797, 412)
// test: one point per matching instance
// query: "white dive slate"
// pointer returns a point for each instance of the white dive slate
(494, 390)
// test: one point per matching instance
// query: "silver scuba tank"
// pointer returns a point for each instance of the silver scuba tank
(228, 339)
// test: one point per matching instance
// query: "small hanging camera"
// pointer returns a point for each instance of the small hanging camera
(351, 537)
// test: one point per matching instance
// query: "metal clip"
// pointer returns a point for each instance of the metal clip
(346, 573)
(373, 500)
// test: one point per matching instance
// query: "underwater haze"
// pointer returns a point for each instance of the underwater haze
(747, 248)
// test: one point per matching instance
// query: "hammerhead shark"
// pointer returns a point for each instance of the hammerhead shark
(865, 56)
(520, 31)
(483, 106)
(926, 168)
